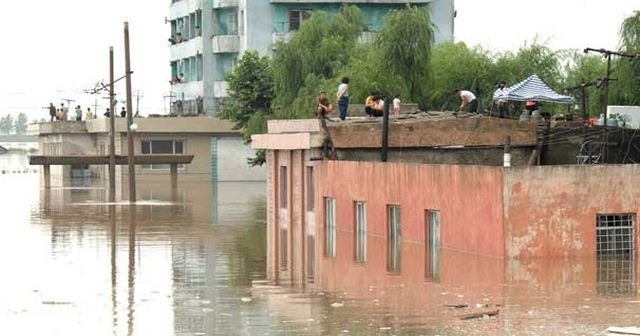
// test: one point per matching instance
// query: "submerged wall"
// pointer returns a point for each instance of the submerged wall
(551, 210)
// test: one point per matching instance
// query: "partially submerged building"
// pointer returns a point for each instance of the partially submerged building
(444, 188)
(218, 150)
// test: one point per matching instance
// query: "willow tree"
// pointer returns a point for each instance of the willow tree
(405, 44)
(318, 51)
(626, 89)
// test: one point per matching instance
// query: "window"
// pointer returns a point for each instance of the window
(296, 17)
(161, 147)
(394, 239)
(283, 187)
(432, 245)
(199, 67)
(284, 248)
(232, 24)
(330, 227)
(311, 193)
(615, 234)
(361, 231)
(311, 254)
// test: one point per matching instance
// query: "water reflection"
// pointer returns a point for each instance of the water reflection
(193, 263)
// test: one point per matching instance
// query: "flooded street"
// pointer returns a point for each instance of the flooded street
(76, 265)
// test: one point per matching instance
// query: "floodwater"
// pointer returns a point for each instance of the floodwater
(73, 264)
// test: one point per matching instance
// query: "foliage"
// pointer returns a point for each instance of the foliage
(404, 47)
(6, 124)
(625, 90)
(20, 124)
(457, 66)
(584, 69)
(318, 51)
(250, 94)
(250, 97)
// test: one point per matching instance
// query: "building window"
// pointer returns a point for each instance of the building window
(311, 192)
(615, 234)
(432, 245)
(283, 187)
(311, 257)
(296, 17)
(284, 248)
(199, 67)
(330, 227)
(394, 239)
(361, 232)
(232, 24)
(161, 147)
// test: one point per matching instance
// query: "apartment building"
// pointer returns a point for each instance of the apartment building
(207, 37)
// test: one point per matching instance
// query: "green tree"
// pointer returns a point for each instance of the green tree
(625, 90)
(20, 124)
(405, 45)
(318, 51)
(584, 69)
(455, 65)
(250, 94)
(6, 124)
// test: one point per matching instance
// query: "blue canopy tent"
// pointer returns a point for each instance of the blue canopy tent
(533, 88)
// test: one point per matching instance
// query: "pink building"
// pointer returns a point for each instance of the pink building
(401, 217)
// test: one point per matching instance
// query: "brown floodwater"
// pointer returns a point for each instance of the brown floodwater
(73, 264)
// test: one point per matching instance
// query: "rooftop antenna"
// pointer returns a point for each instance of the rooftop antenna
(68, 101)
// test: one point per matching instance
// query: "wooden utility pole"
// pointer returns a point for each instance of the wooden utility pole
(112, 133)
(385, 130)
(130, 148)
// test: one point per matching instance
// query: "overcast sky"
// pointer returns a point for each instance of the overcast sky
(54, 49)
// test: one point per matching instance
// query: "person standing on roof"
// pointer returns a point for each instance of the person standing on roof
(343, 97)
(467, 99)
(499, 100)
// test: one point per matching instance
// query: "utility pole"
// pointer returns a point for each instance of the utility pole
(138, 96)
(112, 133)
(130, 148)
(605, 84)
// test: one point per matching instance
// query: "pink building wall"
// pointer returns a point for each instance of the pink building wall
(469, 199)
(551, 211)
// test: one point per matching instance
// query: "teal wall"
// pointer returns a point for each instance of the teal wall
(374, 14)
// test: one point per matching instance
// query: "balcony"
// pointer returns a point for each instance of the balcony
(220, 89)
(225, 3)
(183, 8)
(225, 44)
(185, 49)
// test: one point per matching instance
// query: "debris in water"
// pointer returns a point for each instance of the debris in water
(246, 299)
(337, 304)
(456, 306)
(478, 314)
(624, 330)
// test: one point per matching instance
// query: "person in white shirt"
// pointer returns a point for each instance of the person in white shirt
(501, 102)
(467, 99)
(343, 97)
(396, 105)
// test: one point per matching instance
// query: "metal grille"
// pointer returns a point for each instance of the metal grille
(616, 275)
(615, 234)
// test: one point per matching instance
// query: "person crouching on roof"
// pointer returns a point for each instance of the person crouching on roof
(467, 98)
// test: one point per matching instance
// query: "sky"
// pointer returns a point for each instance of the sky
(52, 50)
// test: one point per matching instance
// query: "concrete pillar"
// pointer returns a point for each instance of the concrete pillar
(174, 182)
(47, 176)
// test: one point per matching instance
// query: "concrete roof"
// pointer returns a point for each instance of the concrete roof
(424, 129)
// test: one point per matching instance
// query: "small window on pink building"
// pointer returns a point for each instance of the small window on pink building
(311, 192)
(330, 227)
(394, 239)
(283, 187)
(360, 209)
(432, 245)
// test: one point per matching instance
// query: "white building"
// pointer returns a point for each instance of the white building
(209, 36)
